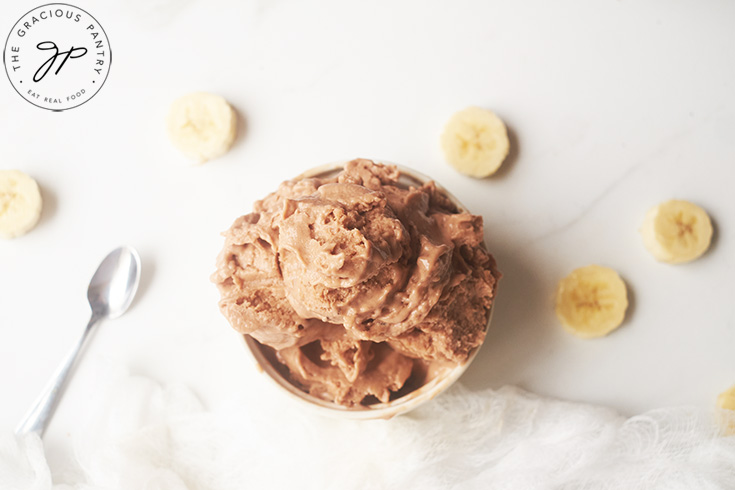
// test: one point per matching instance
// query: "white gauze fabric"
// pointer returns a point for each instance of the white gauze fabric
(151, 437)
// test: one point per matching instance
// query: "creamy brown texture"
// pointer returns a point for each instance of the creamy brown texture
(358, 282)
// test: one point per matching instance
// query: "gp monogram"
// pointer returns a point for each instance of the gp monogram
(57, 56)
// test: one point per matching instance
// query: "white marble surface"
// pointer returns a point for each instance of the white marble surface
(613, 106)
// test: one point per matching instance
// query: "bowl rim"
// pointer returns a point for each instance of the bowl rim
(378, 410)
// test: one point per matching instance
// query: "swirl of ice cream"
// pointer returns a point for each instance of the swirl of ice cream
(358, 282)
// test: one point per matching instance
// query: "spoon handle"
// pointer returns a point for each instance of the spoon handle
(40, 414)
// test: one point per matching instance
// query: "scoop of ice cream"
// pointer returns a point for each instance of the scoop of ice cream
(333, 244)
(357, 281)
(384, 374)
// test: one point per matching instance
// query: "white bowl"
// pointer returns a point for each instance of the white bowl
(378, 410)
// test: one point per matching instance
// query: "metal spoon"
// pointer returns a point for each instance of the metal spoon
(110, 293)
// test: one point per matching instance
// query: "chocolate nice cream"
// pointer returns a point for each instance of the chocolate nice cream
(362, 288)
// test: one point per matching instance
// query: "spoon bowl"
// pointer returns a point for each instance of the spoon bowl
(115, 283)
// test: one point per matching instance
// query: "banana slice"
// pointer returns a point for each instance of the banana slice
(202, 125)
(726, 401)
(676, 231)
(591, 301)
(475, 142)
(20, 203)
